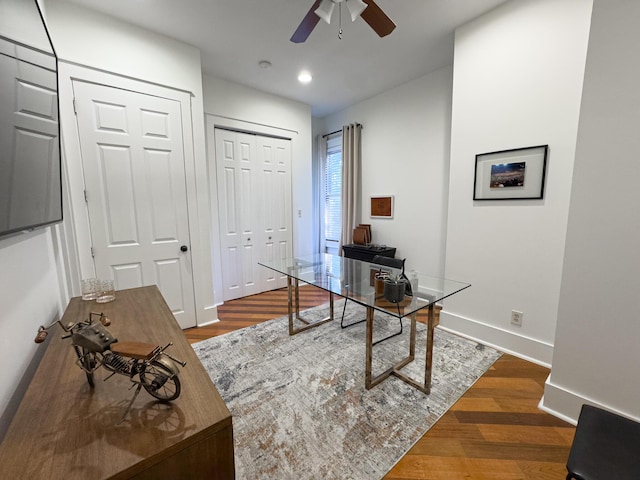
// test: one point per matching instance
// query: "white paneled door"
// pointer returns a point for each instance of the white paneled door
(254, 205)
(237, 197)
(274, 161)
(133, 162)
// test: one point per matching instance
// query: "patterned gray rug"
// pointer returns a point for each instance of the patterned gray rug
(299, 405)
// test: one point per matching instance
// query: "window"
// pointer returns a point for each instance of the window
(332, 172)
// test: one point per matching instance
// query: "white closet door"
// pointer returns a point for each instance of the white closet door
(274, 156)
(238, 195)
(254, 204)
(133, 161)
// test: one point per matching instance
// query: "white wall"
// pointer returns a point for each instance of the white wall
(30, 296)
(235, 106)
(30, 269)
(596, 356)
(20, 21)
(405, 153)
(135, 59)
(517, 82)
(86, 37)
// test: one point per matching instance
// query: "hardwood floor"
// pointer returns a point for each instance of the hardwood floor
(494, 432)
(248, 311)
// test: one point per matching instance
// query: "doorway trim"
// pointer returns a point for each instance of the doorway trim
(77, 235)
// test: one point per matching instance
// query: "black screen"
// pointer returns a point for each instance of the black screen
(30, 186)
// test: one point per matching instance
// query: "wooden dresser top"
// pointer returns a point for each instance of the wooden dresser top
(65, 429)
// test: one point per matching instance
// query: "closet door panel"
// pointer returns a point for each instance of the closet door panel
(235, 166)
(275, 161)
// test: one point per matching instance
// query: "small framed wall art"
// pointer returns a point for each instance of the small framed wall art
(516, 174)
(382, 206)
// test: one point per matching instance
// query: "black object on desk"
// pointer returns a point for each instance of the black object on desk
(367, 252)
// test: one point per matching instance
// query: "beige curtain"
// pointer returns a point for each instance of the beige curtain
(318, 195)
(351, 159)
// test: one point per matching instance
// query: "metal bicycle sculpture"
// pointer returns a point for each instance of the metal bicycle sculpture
(95, 347)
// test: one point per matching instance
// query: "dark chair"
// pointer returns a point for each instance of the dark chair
(606, 447)
(387, 262)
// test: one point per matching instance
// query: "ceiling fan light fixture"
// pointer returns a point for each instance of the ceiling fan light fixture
(325, 10)
(368, 10)
(356, 7)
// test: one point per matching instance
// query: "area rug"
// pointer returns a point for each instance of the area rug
(299, 405)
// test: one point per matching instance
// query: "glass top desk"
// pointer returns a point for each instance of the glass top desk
(354, 279)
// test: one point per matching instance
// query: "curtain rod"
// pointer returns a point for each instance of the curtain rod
(337, 131)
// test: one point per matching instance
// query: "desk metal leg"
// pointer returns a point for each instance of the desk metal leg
(297, 295)
(293, 296)
(371, 382)
(429, 362)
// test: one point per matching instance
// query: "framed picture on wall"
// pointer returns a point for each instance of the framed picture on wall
(382, 206)
(516, 174)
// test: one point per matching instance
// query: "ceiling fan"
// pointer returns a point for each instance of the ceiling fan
(367, 9)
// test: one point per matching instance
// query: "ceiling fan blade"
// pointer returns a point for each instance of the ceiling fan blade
(377, 19)
(307, 25)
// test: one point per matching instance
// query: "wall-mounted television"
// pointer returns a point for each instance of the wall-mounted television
(30, 167)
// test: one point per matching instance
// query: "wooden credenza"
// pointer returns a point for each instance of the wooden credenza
(64, 429)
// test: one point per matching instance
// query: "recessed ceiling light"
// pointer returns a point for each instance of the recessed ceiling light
(304, 77)
(264, 64)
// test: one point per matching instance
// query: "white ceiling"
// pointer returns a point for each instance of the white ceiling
(234, 35)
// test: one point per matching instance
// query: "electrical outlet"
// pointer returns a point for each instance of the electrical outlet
(516, 318)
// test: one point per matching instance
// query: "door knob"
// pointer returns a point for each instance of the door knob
(184, 248)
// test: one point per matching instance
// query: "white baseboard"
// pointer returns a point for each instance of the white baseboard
(209, 322)
(208, 315)
(565, 404)
(506, 341)
(561, 403)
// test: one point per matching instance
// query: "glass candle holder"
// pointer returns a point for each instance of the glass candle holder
(106, 292)
(89, 287)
